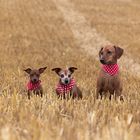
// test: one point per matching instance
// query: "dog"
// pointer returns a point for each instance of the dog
(67, 86)
(109, 76)
(34, 84)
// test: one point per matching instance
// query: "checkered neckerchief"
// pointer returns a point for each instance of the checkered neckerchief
(111, 69)
(62, 89)
(32, 86)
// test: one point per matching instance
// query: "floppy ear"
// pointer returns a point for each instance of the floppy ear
(72, 69)
(119, 52)
(28, 70)
(57, 70)
(41, 70)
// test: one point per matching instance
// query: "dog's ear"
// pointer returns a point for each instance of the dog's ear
(41, 70)
(72, 69)
(100, 51)
(28, 70)
(57, 70)
(119, 51)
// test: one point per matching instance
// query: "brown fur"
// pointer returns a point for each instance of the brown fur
(35, 75)
(37, 92)
(106, 83)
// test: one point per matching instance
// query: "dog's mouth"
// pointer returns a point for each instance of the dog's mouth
(66, 82)
(103, 62)
(106, 63)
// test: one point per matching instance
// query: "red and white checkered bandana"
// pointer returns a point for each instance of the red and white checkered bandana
(62, 89)
(111, 69)
(31, 86)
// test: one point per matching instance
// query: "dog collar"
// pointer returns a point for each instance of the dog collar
(62, 89)
(111, 69)
(32, 86)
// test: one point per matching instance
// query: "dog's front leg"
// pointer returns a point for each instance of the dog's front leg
(99, 90)
(28, 94)
(41, 93)
(118, 94)
(111, 93)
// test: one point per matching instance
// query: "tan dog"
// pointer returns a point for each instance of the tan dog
(109, 78)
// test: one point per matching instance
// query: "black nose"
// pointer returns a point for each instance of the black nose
(102, 61)
(34, 80)
(66, 81)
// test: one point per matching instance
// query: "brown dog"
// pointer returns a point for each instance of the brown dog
(34, 84)
(109, 78)
(67, 85)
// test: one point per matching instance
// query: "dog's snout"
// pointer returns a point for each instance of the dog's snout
(34, 80)
(102, 61)
(66, 81)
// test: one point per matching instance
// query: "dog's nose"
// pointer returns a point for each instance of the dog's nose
(35, 80)
(102, 61)
(66, 81)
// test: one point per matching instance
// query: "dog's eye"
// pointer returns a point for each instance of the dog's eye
(101, 53)
(69, 75)
(62, 75)
(109, 52)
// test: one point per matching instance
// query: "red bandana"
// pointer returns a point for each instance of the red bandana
(62, 89)
(111, 69)
(31, 86)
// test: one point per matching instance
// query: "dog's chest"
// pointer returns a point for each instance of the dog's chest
(62, 89)
(110, 82)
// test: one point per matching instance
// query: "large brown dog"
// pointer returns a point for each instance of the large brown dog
(109, 78)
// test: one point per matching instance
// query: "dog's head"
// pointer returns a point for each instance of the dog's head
(109, 54)
(35, 74)
(65, 75)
